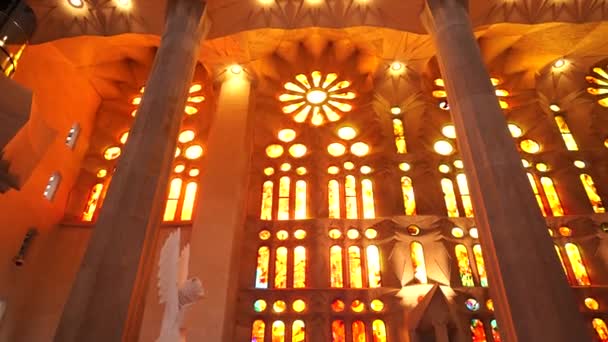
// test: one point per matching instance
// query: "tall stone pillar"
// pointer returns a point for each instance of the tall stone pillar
(219, 222)
(531, 295)
(107, 298)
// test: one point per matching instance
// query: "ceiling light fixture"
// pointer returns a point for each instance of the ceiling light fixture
(560, 63)
(397, 66)
(76, 3)
(555, 108)
(396, 110)
(126, 4)
(236, 69)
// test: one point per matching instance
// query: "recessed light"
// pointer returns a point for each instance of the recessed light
(76, 3)
(396, 110)
(560, 63)
(236, 69)
(397, 66)
(555, 108)
(124, 3)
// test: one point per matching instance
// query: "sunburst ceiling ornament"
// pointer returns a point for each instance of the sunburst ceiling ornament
(599, 79)
(443, 94)
(317, 97)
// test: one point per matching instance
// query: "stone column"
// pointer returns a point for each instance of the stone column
(219, 222)
(532, 298)
(107, 298)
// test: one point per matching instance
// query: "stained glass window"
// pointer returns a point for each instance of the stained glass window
(299, 267)
(450, 197)
(335, 266)
(600, 328)
(418, 263)
(261, 274)
(367, 192)
(552, 197)
(300, 210)
(284, 184)
(280, 268)
(566, 134)
(561, 260)
(175, 189)
(594, 197)
(409, 201)
(539, 198)
(577, 264)
(464, 266)
(379, 331)
(481, 266)
(257, 331)
(267, 189)
(359, 331)
(373, 266)
(351, 197)
(333, 197)
(189, 199)
(92, 203)
(338, 332)
(354, 267)
(477, 331)
(298, 331)
(463, 186)
(495, 332)
(278, 331)
(399, 136)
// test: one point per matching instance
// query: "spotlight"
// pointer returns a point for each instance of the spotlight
(560, 63)
(236, 69)
(76, 3)
(397, 66)
(555, 108)
(396, 110)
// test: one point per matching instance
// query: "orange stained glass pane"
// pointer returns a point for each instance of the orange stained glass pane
(92, 202)
(335, 266)
(552, 196)
(284, 198)
(594, 197)
(298, 331)
(300, 210)
(337, 305)
(561, 260)
(463, 186)
(418, 263)
(299, 267)
(266, 213)
(464, 266)
(333, 197)
(373, 266)
(539, 199)
(354, 267)
(378, 331)
(478, 333)
(280, 268)
(189, 199)
(175, 189)
(359, 331)
(566, 134)
(367, 193)
(450, 197)
(399, 136)
(409, 201)
(351, 197)
(495, 332)
(600, 329)
(278, 331)
(338, 333)
(578, 265)
(481, 266)
(261, 274)
(257, 331)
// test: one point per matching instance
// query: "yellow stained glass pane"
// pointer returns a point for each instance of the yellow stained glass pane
(299, 267)
(298, 331)
(92, 203)
(600, 329)
(333, 196)
(175, 189)
(284, 184)
(300, 209)
(399, 133)
(339, 86)
(337, 305)
(302, 115)
(578, 266)
(566, 134)
(335, 266)
(344, 96)
(481, 266)
(266, 213)
(367, 192)
(359, 331)
(594, 197)
(294, 87)
(343, 107)
(261, 274)
(278, 331)
(418, 263)
(378, 331)
(298, 305)
(331, 114)
(552, 196)
(354, 267)
(338, 332)
(373, 266)
(539, 199)
(409, 201)
(478, 332)
(377, 305)
(290, 97)
(257, 331)
(280, 268)
(530, 146)
(289, 109)
(336, 149)
(463, 186)
(189, 199)
(592, 304)
(112, 153)
(450, 197)
(351, 198)
(194, 88)
(464, 266)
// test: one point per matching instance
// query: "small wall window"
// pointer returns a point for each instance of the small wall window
(72, 136)
(51, 186)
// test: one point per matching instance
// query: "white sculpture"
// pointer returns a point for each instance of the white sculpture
(175, 290)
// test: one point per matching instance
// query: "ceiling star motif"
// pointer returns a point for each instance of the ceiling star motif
(599, 81)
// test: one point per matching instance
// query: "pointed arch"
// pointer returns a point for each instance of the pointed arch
(358, 329)
(298, 331)
(399, 133)
(478, 333)
(278, 331)
(92, 203)
(257, 331)
(600, 329)
(379, 331)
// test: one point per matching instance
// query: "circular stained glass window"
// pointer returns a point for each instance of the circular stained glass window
(279, 306)
(298, 305)
(404, 167)
(336, 149)
(274, 151)
(264, 235)
(472, 304)
(359, 149)
(591, 304)
(413, 230)
(352, 234)
(376, 305)
(530, 146)
(337, 305)
(287, 135)
(371, 233)
(565, 231)
(269, 171)
(457, 232)
(357, 306)
(347, 133)
(298, 150)
(112, 153)
(333, 170)
(259, 305)
(334, 234)
(474, 233)
(282, 235)
(299, 234)
(443, 147)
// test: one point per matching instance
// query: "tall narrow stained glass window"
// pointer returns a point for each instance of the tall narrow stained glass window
(280, 268)
(539, 198)
(594, 197)
(189, 200)
(600, 329)
(561, 260)
(399, 136)
(278, 331)
(267, 189)
(261, 273)
(284, 184)
(450, 197)
(552, 197)
(409, 201)
(359, 331)
(464, 266)
(298, 331)
(335, 267)
(478, 333)
(257, 331)
(351, 197)
(379, 331)
(566, 134)
(175, 190)
(373, 266)
(577, 264)
(355, 273)
(299, 267)
(92, 202)
(338, 331)
(418, 263)
(367, 193)
(333, 198)
(463, 186)
(300, 209)
(495, 332)
(481, 266)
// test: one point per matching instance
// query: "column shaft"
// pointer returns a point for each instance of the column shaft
(219, 222)
(107, 298)
(533, 300)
